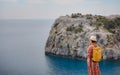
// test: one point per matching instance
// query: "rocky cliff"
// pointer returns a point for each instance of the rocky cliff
(69, 35)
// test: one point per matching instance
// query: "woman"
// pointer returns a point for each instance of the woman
(93, 67)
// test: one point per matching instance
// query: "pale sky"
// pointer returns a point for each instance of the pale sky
(51, 9)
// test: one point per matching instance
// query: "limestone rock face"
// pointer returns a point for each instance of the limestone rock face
(69, 36)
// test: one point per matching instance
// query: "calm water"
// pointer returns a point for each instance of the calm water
(22, 52)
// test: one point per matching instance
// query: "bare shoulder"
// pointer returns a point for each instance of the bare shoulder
(90, 47)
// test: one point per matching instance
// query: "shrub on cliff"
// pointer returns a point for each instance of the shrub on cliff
(112, 25)
(108, 24)
(75, 15)
(77, 29)
(71, 28)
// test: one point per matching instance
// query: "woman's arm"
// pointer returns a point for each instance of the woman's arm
(89, 53)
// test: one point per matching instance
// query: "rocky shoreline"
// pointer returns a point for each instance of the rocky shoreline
(63, 56)
(69, 36)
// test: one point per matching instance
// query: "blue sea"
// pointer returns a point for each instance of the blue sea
(22, 47)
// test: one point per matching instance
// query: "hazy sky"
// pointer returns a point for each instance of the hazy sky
(51, 9)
